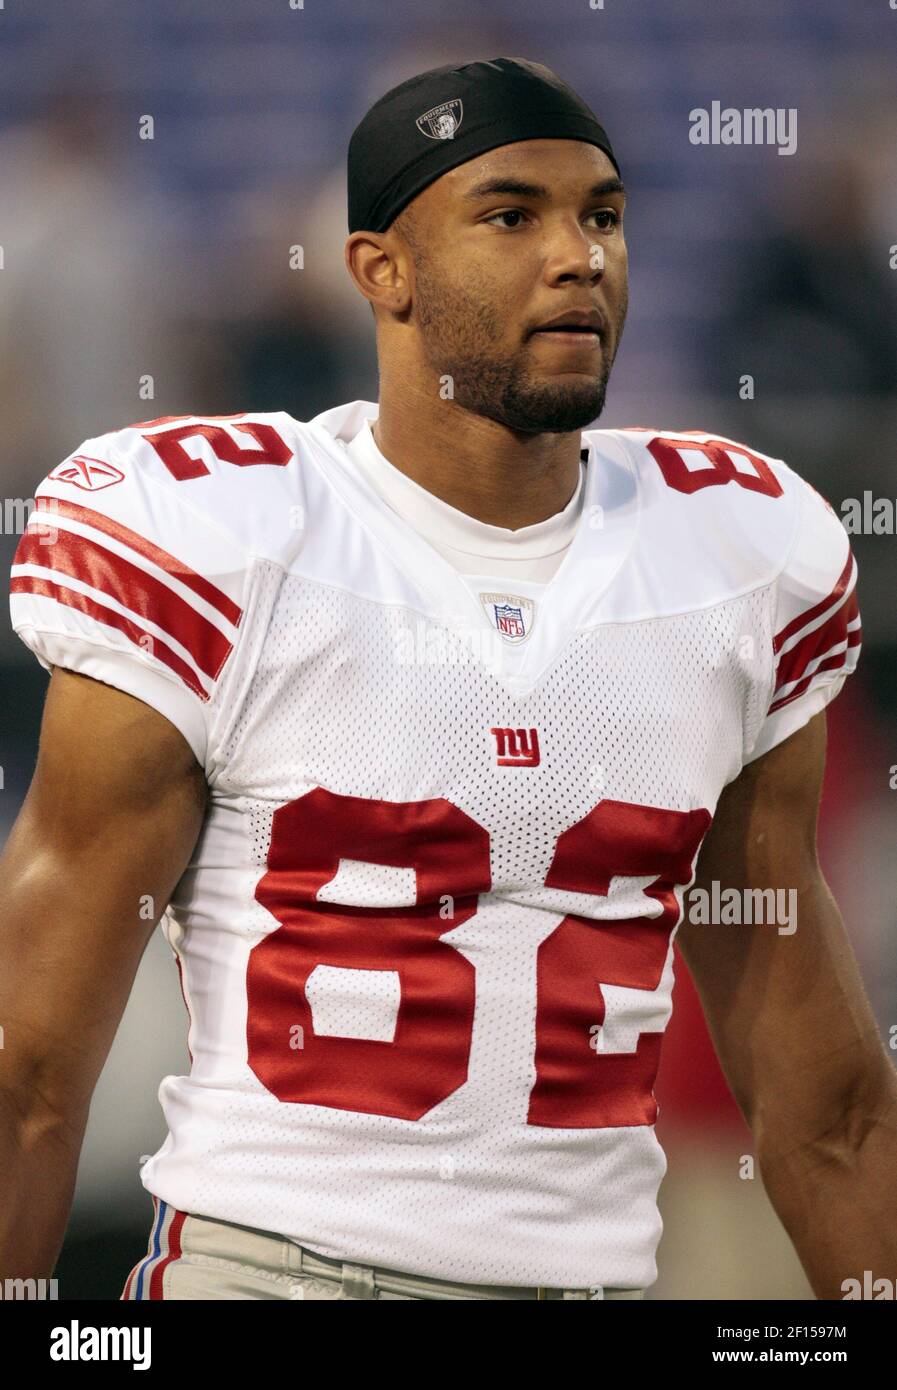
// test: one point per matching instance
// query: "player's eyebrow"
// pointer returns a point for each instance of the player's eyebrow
(521, 189)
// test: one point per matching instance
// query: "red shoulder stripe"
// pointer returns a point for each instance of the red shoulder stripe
(134, 588)
(833, 664)
(44, 588)
(176, 568)
(795, 661)
(817, 610)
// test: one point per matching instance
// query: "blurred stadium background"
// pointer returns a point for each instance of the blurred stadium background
(169, 258)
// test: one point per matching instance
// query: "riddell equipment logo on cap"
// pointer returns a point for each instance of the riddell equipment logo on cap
(441, 122)
(87, 473)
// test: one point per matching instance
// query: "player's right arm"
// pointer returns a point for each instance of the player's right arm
(107, 828)
(130, 587)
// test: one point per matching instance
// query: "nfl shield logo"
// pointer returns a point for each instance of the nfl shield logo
(441, 122)
(510, 614)
(509, 621)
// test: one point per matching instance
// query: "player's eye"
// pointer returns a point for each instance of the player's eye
(508, 212)
(610, 218)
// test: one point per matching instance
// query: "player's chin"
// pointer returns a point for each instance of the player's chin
(562, 403)
(571, 379)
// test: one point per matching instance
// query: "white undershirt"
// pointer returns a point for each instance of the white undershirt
(532, 554)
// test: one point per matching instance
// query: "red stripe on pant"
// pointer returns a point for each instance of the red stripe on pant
(174, 1253)
(164, 1247)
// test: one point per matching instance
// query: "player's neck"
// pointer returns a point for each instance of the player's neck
(474, 464)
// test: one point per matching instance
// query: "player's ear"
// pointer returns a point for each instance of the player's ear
(380, 270)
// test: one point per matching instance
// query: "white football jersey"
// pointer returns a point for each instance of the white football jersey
(425, 938)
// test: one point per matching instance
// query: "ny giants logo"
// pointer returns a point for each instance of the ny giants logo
(516, 747)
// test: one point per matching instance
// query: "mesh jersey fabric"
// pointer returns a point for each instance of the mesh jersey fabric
(426, 935)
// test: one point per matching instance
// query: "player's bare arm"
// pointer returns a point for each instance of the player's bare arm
(108, 826)
(792, 1025)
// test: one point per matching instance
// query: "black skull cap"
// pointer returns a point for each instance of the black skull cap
(442, 118)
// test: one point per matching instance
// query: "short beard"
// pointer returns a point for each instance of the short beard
(504, 391)
(451, 321)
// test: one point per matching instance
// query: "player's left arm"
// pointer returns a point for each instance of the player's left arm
(793, 1028)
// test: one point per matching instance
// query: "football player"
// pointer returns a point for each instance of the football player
(413, 723)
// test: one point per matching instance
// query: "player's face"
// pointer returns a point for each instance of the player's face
(526, 234)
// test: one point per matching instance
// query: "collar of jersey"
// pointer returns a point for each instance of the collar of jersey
(463, 534)
(570, 600)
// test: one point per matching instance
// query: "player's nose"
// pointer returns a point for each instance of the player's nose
(573, 252)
